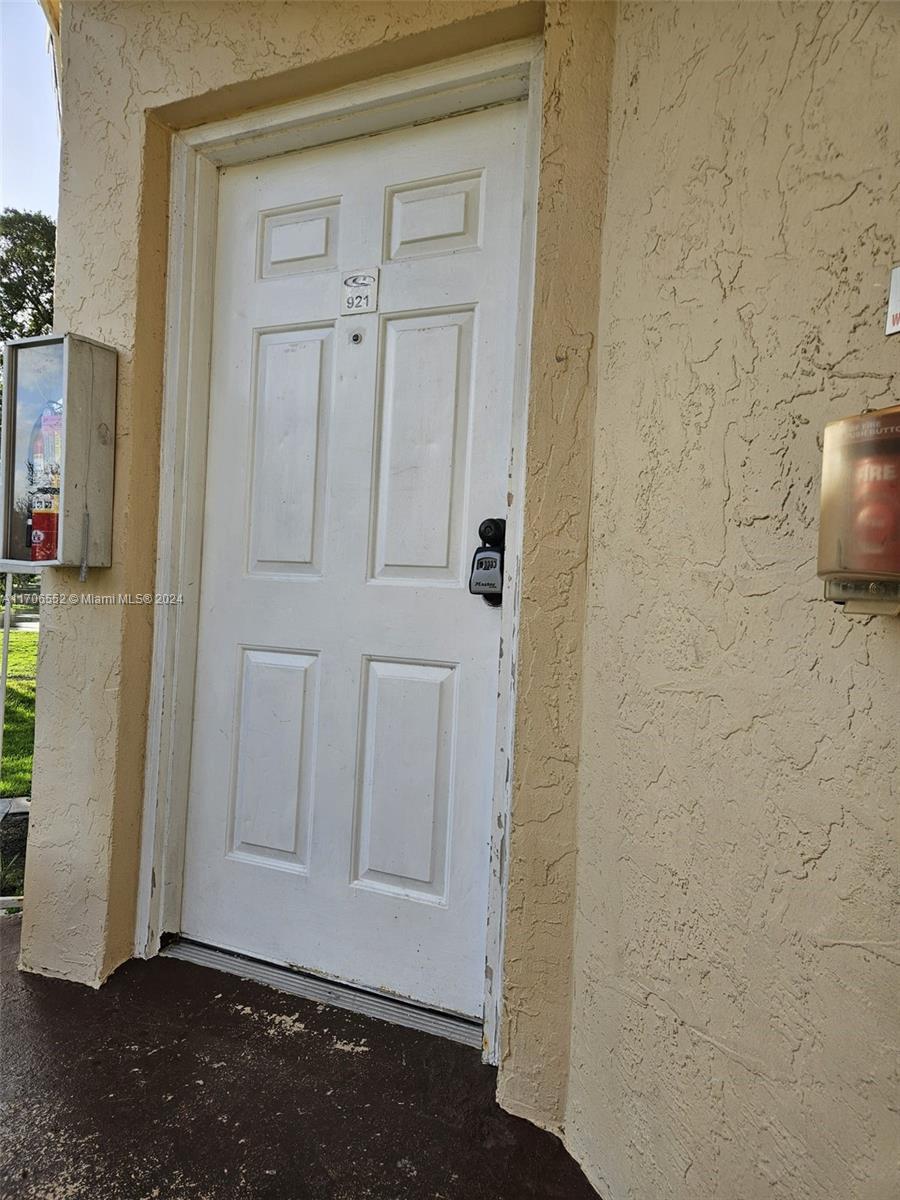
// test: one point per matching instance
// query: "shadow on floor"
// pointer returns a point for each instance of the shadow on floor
(178, 1082)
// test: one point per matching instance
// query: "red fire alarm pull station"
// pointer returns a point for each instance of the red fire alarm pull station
(859, 532)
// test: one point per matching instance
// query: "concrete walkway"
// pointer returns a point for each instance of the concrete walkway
(178, 1082)
(16, 805)
(30, 622)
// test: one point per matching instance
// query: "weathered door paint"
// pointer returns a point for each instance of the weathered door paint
(346, 690)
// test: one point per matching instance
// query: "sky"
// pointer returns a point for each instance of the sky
(29, 127)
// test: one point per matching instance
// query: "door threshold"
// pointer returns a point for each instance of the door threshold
(337, 995)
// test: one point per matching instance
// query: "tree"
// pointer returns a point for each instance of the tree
(27, 259)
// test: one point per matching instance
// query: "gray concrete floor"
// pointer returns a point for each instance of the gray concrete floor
(177, 1082)
(17, 805)
(27, 621)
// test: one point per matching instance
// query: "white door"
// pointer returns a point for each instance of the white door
(346, 693)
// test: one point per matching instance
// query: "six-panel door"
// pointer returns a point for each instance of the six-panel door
(346, 693)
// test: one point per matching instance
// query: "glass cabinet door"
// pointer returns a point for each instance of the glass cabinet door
(36, 416)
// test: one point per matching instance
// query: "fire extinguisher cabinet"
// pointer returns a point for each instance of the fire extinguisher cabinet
(859, 533)
(58, 446)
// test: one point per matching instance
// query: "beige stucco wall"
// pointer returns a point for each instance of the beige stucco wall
(723, 768)
(735, 1020)
(537, 984)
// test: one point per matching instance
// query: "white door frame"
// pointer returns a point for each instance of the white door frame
(497, 75)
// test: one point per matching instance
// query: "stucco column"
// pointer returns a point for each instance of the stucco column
(578, 49)
(94, 658)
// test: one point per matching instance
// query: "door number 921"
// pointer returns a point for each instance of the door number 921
(360, 291)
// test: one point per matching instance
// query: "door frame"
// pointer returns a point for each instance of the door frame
(493, 76)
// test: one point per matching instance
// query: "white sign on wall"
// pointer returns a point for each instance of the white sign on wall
(892, 325)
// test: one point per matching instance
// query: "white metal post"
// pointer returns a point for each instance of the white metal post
(7, 613)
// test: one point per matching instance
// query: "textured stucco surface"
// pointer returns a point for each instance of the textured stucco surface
(537, 985)
(735, 1020)
(728, 739)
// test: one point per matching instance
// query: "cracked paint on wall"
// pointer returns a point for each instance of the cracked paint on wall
(735, 1025)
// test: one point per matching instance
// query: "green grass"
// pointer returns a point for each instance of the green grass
(18, 719)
